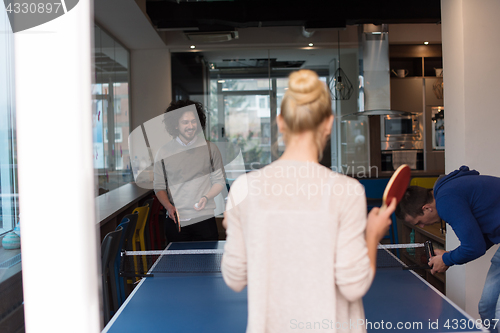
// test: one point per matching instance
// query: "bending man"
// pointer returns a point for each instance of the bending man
(470, 204)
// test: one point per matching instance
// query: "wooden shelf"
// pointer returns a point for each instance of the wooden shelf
(418, 60)
(430, 231)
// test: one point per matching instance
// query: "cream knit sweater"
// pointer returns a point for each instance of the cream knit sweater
(296, 236)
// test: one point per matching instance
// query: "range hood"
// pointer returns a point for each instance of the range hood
(375, 92)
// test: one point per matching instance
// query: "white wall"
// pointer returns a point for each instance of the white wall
(471, 71)
(151, 84)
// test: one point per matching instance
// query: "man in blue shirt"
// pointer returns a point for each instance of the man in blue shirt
(470, 204)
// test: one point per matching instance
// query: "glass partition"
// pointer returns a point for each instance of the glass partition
(243, 90)
(111, 112)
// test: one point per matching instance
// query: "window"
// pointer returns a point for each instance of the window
(263, 102)
(110, 111)
(247, 116)
(118, 135)
(8, 162)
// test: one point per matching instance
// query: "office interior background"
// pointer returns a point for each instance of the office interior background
(73, 89)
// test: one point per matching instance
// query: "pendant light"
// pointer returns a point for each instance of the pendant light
(340, 86)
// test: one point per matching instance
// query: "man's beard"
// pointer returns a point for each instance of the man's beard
(188, 135)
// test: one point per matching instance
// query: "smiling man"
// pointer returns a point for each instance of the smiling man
(470, 204)
(188, 175)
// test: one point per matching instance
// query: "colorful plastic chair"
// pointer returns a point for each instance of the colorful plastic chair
(138, 237)
(109, 248)
(127, 245)
(426, 182)
(129, 234)
(125, 224)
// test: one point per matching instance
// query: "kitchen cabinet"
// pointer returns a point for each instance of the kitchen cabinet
(407, 94)
(432, 233)
(419, 92)
(413, 93)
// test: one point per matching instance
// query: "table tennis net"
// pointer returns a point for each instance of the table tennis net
(146, 263)
(143, 263)
(405, 256)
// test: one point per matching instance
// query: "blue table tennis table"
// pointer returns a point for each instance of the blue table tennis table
(201, 302)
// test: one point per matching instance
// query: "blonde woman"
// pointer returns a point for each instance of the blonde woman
(297, 232)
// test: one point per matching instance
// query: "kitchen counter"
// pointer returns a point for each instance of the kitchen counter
(414, 173)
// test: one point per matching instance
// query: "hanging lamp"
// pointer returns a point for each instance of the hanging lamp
(340, 85)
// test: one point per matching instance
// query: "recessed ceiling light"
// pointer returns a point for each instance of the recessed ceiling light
(192, 46)
(426, 43)
(311, 44)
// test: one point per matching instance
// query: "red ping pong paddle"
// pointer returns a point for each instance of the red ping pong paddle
(397, 185)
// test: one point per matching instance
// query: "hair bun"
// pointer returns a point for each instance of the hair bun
(304, 86)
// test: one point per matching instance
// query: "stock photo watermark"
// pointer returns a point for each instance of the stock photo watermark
(357, 171)
(430, 324)
(26, 14)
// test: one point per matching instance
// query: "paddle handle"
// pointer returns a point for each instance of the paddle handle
(384, 204)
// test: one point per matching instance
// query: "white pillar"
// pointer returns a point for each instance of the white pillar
(471, 71)
(56, 178)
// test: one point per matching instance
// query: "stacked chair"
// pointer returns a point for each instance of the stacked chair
(139, 231)
(128, 224)
(138, 239)
(110, 247)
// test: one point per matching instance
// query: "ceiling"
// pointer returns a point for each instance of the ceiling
(212, 16)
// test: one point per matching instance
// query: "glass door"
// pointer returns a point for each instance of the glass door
(244, 120)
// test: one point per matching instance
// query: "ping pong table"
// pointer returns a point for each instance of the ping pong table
(201, 302)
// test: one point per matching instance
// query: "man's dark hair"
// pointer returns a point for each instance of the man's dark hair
(413, 200)
(173, 119)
